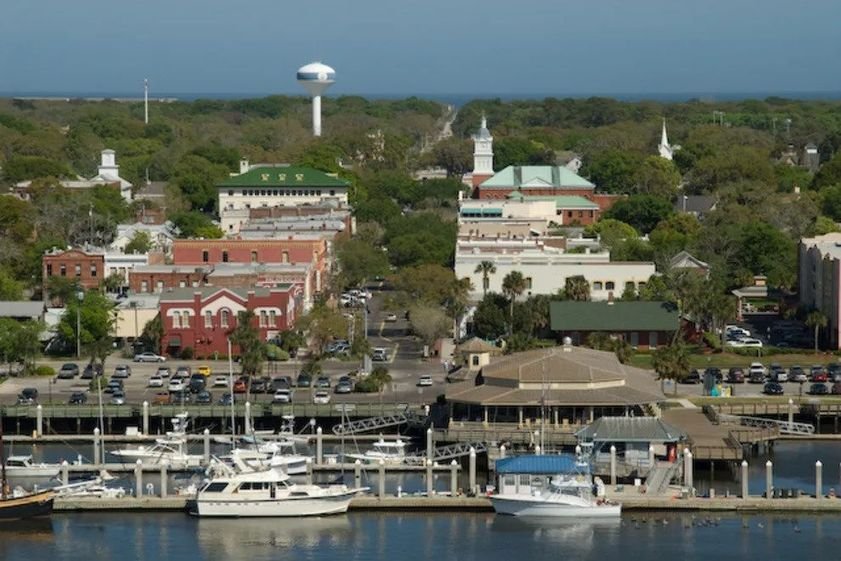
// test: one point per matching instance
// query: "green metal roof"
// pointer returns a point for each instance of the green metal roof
(288, 176)
(536, 177)
(616, 316)
(561, 201)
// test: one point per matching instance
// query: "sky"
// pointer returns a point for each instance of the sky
(416, 47)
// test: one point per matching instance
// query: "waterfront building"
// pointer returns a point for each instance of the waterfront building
(203, 318)
(643, 325)
(561, 385)
(545, 267)
(276, 185)
(633, 438)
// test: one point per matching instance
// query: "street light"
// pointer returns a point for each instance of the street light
(79, 296)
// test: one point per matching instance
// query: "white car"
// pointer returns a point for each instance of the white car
(219, 381)
(149, 357)
(177, 385)
(282, 396)
(391, 317)
(156, 382)
(425, 381)
(321, 397)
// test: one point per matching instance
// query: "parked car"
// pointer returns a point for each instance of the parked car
(344, 385)
(818, 374)
(322, 382)
(122, 371)
(91, 370)
(818, 389)
(118, 397)
(797, 374)
(321, 397)
(282, 396)
(241, 385)
(183, 371)
(226, 399)
(281, 383)
(304, 381)
(149, 357)
(391, 317)
(204, 397)
(163, 371)
(205, 370)
(162, 398)
(735, 376)
(155, 381)
(29, 393)
(78, 398)
(258, 385)
(778, 374)
(424, 381)
(772, 388)
(756, 373)
(693, 377)
(176, 385)
(197, 383)
(180, 397)
(715, 373)
(114, 385)
(219, 381)
(68, 371)
(379, 354)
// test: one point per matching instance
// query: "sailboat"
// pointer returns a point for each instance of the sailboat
(18, 504)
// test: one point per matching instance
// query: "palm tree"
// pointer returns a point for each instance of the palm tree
(818, 321)
(487, 268)
(513, 285)
(577, 288)
(671, 363)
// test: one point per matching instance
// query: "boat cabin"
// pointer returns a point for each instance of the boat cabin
(19, 461)
(533, 475)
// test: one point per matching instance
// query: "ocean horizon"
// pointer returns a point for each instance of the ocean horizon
(457, 99)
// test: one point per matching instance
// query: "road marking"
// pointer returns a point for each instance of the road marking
(394, 354)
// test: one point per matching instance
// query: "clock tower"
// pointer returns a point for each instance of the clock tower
(483, 154)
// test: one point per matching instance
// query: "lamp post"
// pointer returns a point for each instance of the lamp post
(80, 296)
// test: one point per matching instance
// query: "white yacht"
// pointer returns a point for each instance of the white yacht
(241, 492)
(171, 450)
(22, 468)
(550, 486)
(389, 452)
(263, 455)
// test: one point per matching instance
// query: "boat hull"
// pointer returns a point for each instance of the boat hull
(273, 508)
(28, 507)
(525, 506)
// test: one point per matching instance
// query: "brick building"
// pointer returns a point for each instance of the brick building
(159, 278)
(203, 318)
(87, 268)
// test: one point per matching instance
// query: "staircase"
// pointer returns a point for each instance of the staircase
(660, 476)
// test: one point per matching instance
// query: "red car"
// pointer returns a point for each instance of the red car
(819, 374)
(241, 385)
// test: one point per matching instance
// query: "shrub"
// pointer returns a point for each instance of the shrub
(44, 371)
(187, 353)
(312, 367)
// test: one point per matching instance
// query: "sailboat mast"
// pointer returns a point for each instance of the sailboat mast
(3, 483)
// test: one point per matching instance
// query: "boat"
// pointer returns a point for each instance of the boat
(389, 452)
(18, 504)
(550, 486)
(240, 492)
(171, 450)
(279, 454)
(19, 468)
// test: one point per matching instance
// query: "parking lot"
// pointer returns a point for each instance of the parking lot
(792, 382)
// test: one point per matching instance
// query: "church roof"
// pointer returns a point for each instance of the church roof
(540, 177)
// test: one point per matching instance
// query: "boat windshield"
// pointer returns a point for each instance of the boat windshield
(214, 487)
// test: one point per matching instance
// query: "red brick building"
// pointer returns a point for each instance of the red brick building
(88, 269)
(159, 278)
(203, 318)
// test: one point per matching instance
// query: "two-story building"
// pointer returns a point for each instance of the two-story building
(86, 268)
(203, 318)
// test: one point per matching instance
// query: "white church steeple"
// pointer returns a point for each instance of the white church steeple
(483, 154)
(666, 150)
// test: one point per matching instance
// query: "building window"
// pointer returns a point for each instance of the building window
(332, 193)
(205, 256)
(635, 339)
(580, 214)
(528, 283)
(224, 257)
(182, 284)
(185, 320)
(49, 269)
(653, 339)
(597, 285)
(93, 271)
(263, 318)
(78, 270)
(208, 320)
(223, 319)
(610, 285)
(230, 192)
(253, 256)
(272, 318)
(569, 213)
(475, 359)
(284, 257)
(176, 320)
(144, 286)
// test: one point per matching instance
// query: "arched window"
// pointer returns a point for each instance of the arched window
(176, 320)
(610, 285)
(208, 319)
(185, 320)
(224, 316)
(597, 285)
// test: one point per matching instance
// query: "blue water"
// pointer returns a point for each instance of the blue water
(409, 537)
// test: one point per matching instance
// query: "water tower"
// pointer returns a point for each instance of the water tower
(316, 78)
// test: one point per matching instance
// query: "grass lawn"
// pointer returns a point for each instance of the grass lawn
(728, 360)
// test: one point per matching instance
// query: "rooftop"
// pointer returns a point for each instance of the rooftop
(536, 177)
(290, 176)
(21, 309)
(618, 315)
(540, 465)
(630, 429)
(187, 294)
(561, 201)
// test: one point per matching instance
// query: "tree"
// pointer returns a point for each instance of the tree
(658, 176)
(428, 283)
(513, 285)
(20, 342)
(829, 174)
(515, 151)
(817, 321)
(577, 288)
(140, 242)
(671, 363)
(246, 336)
(642, 212)
(830, 198)
(489, 318)
(360, 261)
(429, 323)
(97, 318)
(453, 154)
(611, 232)
(323, 324)
(613, 170)
(193, 224)
(376, 381)
(20, 168)
(486, 268)
(10, 289)
(153, 334)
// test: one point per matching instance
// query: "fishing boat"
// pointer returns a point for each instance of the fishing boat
(389, 452)
(18, 504)
(550, 486)
(238, 491)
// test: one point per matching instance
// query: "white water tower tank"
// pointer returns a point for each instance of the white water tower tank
(316, 78)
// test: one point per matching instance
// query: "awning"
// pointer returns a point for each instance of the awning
(174, 341)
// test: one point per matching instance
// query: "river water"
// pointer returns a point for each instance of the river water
(408, 537)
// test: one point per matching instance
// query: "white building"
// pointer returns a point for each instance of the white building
(483, 156)
(665, 149)
(546, 268)
(108, 173)
(819, 277)
(160, 236)
(121, 264)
